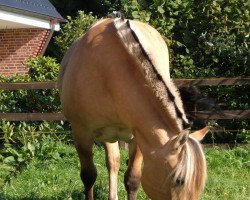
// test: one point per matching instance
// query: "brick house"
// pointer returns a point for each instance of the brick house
(26, 27)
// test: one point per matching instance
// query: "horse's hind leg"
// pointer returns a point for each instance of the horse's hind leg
(132, 177)
(84, 144)
(113, 165)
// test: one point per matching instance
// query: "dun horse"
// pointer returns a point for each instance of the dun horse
(115, 86)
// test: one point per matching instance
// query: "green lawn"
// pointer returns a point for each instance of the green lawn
(228, 176)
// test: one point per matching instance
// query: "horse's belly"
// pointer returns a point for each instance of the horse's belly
(113, 133)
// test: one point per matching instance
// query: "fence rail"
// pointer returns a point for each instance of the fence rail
(28, 86)
(223, 114)
(32, 116)
(212, 81)
(178, 82)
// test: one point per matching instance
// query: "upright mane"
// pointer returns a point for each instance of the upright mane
(139, 40)
(192, 170)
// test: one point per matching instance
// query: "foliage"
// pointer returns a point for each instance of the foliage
(18, 140)
(43, 69)
(227, 170)
(73, 29)
(98, 7)
(22, 142)
(207, 38)
(40, 69)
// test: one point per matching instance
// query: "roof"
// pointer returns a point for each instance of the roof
(36, 8)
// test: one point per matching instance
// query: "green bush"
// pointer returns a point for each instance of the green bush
(40, 69)
(43, 69)
(207, 38)
(73, 29)
(20, 142)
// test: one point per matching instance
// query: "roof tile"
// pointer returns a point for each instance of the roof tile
(39, 8)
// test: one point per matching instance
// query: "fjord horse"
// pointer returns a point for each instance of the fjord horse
(115, 86)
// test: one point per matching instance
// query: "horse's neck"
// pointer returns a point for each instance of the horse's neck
(151, 141)
(154, 134)
(141, 110)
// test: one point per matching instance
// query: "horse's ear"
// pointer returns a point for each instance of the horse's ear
(200, 134)
(181, 138)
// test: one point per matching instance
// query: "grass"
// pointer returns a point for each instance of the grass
(228, 174)
(45, 179)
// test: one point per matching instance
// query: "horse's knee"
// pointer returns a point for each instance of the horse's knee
(132, 178)
(88, 177)
(88, 170)
(115, 165)
(132, 182)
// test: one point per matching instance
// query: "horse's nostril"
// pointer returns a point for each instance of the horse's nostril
(179, 181)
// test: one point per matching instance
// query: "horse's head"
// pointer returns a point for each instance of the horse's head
(178, 170)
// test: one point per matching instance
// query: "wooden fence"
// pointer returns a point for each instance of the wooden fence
(223, 114)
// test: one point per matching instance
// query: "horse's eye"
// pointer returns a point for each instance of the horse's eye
(179, 181)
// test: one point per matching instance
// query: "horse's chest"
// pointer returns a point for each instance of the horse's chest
(113, 133)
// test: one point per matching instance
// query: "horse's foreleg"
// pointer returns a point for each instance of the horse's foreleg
(113, 165)
(84, 144)
(132, 177)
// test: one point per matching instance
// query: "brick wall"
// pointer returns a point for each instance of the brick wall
(16, 45)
